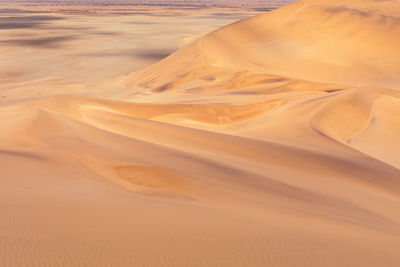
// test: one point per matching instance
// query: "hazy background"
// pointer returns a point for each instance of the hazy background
(53, 47)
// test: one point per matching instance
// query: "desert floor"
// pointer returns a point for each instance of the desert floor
(65, 47)
(163, 135)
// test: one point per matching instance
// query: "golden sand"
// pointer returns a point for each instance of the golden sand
(273, 141)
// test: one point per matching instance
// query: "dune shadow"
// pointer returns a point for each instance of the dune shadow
(20, 11)
(233, 16)
(104, 33)
(263, 9)
(352, 11)
(136, 13)
(7, 23)
(154, 54)
(141, 22)
(48, 42)
(21, 154)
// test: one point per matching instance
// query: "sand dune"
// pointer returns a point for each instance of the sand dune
(327, 44)
(349, 42)
(269, 142)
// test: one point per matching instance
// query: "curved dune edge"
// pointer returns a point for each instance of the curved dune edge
(226, 153)
(113, 143)
(351, 42)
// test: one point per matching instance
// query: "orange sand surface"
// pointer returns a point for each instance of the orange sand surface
(273, 141)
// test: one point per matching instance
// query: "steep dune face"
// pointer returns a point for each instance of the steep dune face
(270, 142)
(348, 49)
(348, 42)
(98, 171)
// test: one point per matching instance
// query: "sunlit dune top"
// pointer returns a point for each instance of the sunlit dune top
(349, 42)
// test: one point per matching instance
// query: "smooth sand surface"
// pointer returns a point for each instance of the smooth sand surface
(273, 141)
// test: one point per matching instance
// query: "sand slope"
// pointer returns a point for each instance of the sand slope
(350, 42)
(269, 142)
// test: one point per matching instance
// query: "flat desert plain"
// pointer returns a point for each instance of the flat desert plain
(200, 133)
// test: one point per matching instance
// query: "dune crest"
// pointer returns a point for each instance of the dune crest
(347, 50)
(349, 42)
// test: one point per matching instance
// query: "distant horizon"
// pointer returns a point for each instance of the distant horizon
(209, 3)
(149, 1)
